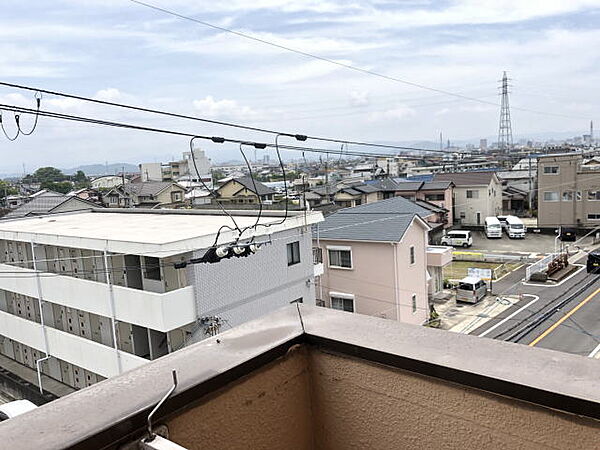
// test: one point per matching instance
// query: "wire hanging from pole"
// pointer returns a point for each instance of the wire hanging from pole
(38, 100)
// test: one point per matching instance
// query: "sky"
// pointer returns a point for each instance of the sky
(121, 51)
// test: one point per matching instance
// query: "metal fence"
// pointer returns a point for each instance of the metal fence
(539, 266)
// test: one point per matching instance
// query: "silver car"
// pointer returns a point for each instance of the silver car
(471, 290)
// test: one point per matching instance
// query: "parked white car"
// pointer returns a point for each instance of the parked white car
(16, 408)
(515, 228)
(457, 238)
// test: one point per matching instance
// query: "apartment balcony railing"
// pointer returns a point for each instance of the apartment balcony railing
(161, 312)
(294, 378)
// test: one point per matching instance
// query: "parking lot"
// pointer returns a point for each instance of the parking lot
(533, 243)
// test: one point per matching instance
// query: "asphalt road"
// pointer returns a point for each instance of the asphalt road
(574, 328)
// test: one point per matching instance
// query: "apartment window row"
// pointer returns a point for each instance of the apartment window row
(434, 197)
(293, 253)
(593, 216)
(551, 170)
(569, 196)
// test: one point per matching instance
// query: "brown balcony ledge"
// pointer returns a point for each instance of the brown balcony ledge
(313, 378)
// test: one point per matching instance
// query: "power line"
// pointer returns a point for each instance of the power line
(217, 122)
(215, 139)
(334, 62)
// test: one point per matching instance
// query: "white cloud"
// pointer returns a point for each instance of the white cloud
(209, 107)
(359, 98)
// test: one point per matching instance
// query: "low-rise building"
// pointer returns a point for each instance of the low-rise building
(374, 260)
(147, 194)
(244, 190)
(568, 191)
(86, 296)
(477, 195)
(50, 203)
(108, 182)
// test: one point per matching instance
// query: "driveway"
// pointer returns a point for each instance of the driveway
(532, 243)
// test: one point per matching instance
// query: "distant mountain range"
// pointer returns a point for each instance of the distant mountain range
(102, 169)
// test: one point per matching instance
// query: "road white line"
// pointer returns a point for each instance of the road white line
(489, 330)
(594, 352)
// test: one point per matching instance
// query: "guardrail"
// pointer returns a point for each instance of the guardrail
(539, 266)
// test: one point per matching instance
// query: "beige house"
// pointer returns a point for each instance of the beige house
(568, 191)
(374, 261)
(244, 190)
(147, 194)
(477, 195)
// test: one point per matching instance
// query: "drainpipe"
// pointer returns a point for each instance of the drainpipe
(395, 249)
(113, 319)
(43, 325)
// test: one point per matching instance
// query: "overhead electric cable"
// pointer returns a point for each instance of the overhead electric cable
(215, 139)
(334, 62)
(218, 122)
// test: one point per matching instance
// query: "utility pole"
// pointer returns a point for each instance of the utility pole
(505, 137)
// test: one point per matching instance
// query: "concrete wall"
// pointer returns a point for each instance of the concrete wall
(241, 289)
(316, 400)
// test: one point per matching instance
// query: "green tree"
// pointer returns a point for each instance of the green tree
(62, 186)
(49, 174)
(80, 177)
(6, 189)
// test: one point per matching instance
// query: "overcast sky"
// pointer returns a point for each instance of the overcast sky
(117, 50)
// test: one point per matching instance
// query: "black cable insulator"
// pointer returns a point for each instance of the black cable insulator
(301, 137)
(217, 139)
(259, 145)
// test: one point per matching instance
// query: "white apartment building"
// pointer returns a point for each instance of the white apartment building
(98, 292)
(183, 170)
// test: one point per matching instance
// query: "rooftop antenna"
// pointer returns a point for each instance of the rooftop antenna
(505, 138)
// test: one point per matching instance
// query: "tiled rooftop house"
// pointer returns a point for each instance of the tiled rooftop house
(375, 261)
(310, 378)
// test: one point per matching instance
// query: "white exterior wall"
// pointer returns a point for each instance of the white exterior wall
(262, 282)
(161, 312)
(489, 203)
(82, 352)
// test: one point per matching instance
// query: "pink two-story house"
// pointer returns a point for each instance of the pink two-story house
(374, 260)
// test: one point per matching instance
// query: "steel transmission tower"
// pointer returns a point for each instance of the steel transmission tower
(505, 138)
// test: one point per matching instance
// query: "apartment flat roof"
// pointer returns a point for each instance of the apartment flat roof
(138, 232)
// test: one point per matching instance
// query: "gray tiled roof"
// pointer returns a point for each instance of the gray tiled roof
(386, 220)
(409, 186)
(147, 188)
(385, 184)
(249, 184)
(44, 205)
(466, 178)
(364, 227)
(395, 205)
(431, 185)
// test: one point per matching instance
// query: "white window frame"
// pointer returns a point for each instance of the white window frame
(474, 193)
(342, 296)
(551, 192)
(339, 248)
(593, 214)
(551, 167)
(412, 256)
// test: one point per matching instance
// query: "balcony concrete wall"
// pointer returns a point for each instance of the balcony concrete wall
(161, 312)
(82, 352)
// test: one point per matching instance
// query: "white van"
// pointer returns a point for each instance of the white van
(493, 227)
(515, 227)
(457, 238)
